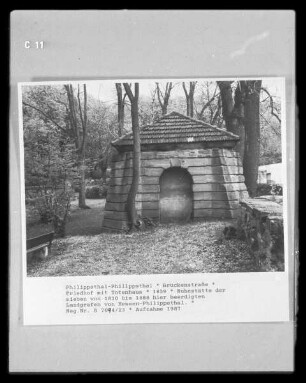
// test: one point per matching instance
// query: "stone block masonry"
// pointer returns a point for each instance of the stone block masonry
(217, 184)
(260, 222)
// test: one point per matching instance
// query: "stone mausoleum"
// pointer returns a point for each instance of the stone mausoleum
(189, 170)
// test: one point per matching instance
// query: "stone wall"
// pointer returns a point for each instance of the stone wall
(261, 224)
(218, 184)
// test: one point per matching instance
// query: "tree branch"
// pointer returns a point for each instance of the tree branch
(270, 125)
(128, 91)
(44, 114)
(159, 95)
(168, 91)
(185, 90)
(207, 104)
(192, 86)
(136, 87)
(80, 108)
(119, 90)
(272, 105)
(61, 102)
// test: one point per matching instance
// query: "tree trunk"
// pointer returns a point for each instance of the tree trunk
(252, 130)
(131, 209)
(240, 147)
(187, 106)
(190, 98)
(217, 112)
(227, 101)
(121, 120)
(233, 111)
(191, 109)
(164, 109)
(80, 135)
(136, 169)
(163, 98)
(120, 109)
(82, 148)
(82, 192)
(241, 116)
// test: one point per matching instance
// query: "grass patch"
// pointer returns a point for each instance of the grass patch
(197, 247)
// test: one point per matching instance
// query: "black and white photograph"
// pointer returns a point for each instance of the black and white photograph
(153, 191)
(154, 176)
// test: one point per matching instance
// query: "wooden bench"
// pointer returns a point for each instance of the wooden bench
(41, 242)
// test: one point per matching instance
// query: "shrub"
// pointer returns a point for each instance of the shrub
(97, 173)
(263, 189)
(268, 189)
(277, 189)
(54, 206)
(96, 192)
(92, 192)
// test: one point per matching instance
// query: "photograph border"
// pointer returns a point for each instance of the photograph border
(76, 348)
(157, 277)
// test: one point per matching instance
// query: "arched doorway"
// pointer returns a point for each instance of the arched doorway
(176, 195)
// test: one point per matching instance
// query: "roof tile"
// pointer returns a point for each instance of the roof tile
(177, 128)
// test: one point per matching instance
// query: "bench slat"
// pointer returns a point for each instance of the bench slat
(44, 239)
(38, 247)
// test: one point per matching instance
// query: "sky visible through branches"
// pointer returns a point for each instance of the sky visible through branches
(105, 90)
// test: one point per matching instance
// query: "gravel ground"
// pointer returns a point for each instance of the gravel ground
(197, 247)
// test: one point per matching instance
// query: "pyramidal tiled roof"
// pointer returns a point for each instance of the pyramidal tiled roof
(177, 128)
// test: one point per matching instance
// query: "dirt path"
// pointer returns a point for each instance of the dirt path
(197, 247)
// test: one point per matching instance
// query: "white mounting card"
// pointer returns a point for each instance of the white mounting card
(168, 285)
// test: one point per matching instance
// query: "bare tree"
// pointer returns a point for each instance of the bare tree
(121, 99)
(252, 135)
(190, 97)
(163, 97)
(208, 103)
(233, 110)
(240, 111)
(80, 134)
(131, 209)
(217, 119)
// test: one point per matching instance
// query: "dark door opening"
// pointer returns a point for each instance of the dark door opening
(176, 196)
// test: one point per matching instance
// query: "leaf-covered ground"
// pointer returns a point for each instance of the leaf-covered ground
(196, 247)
